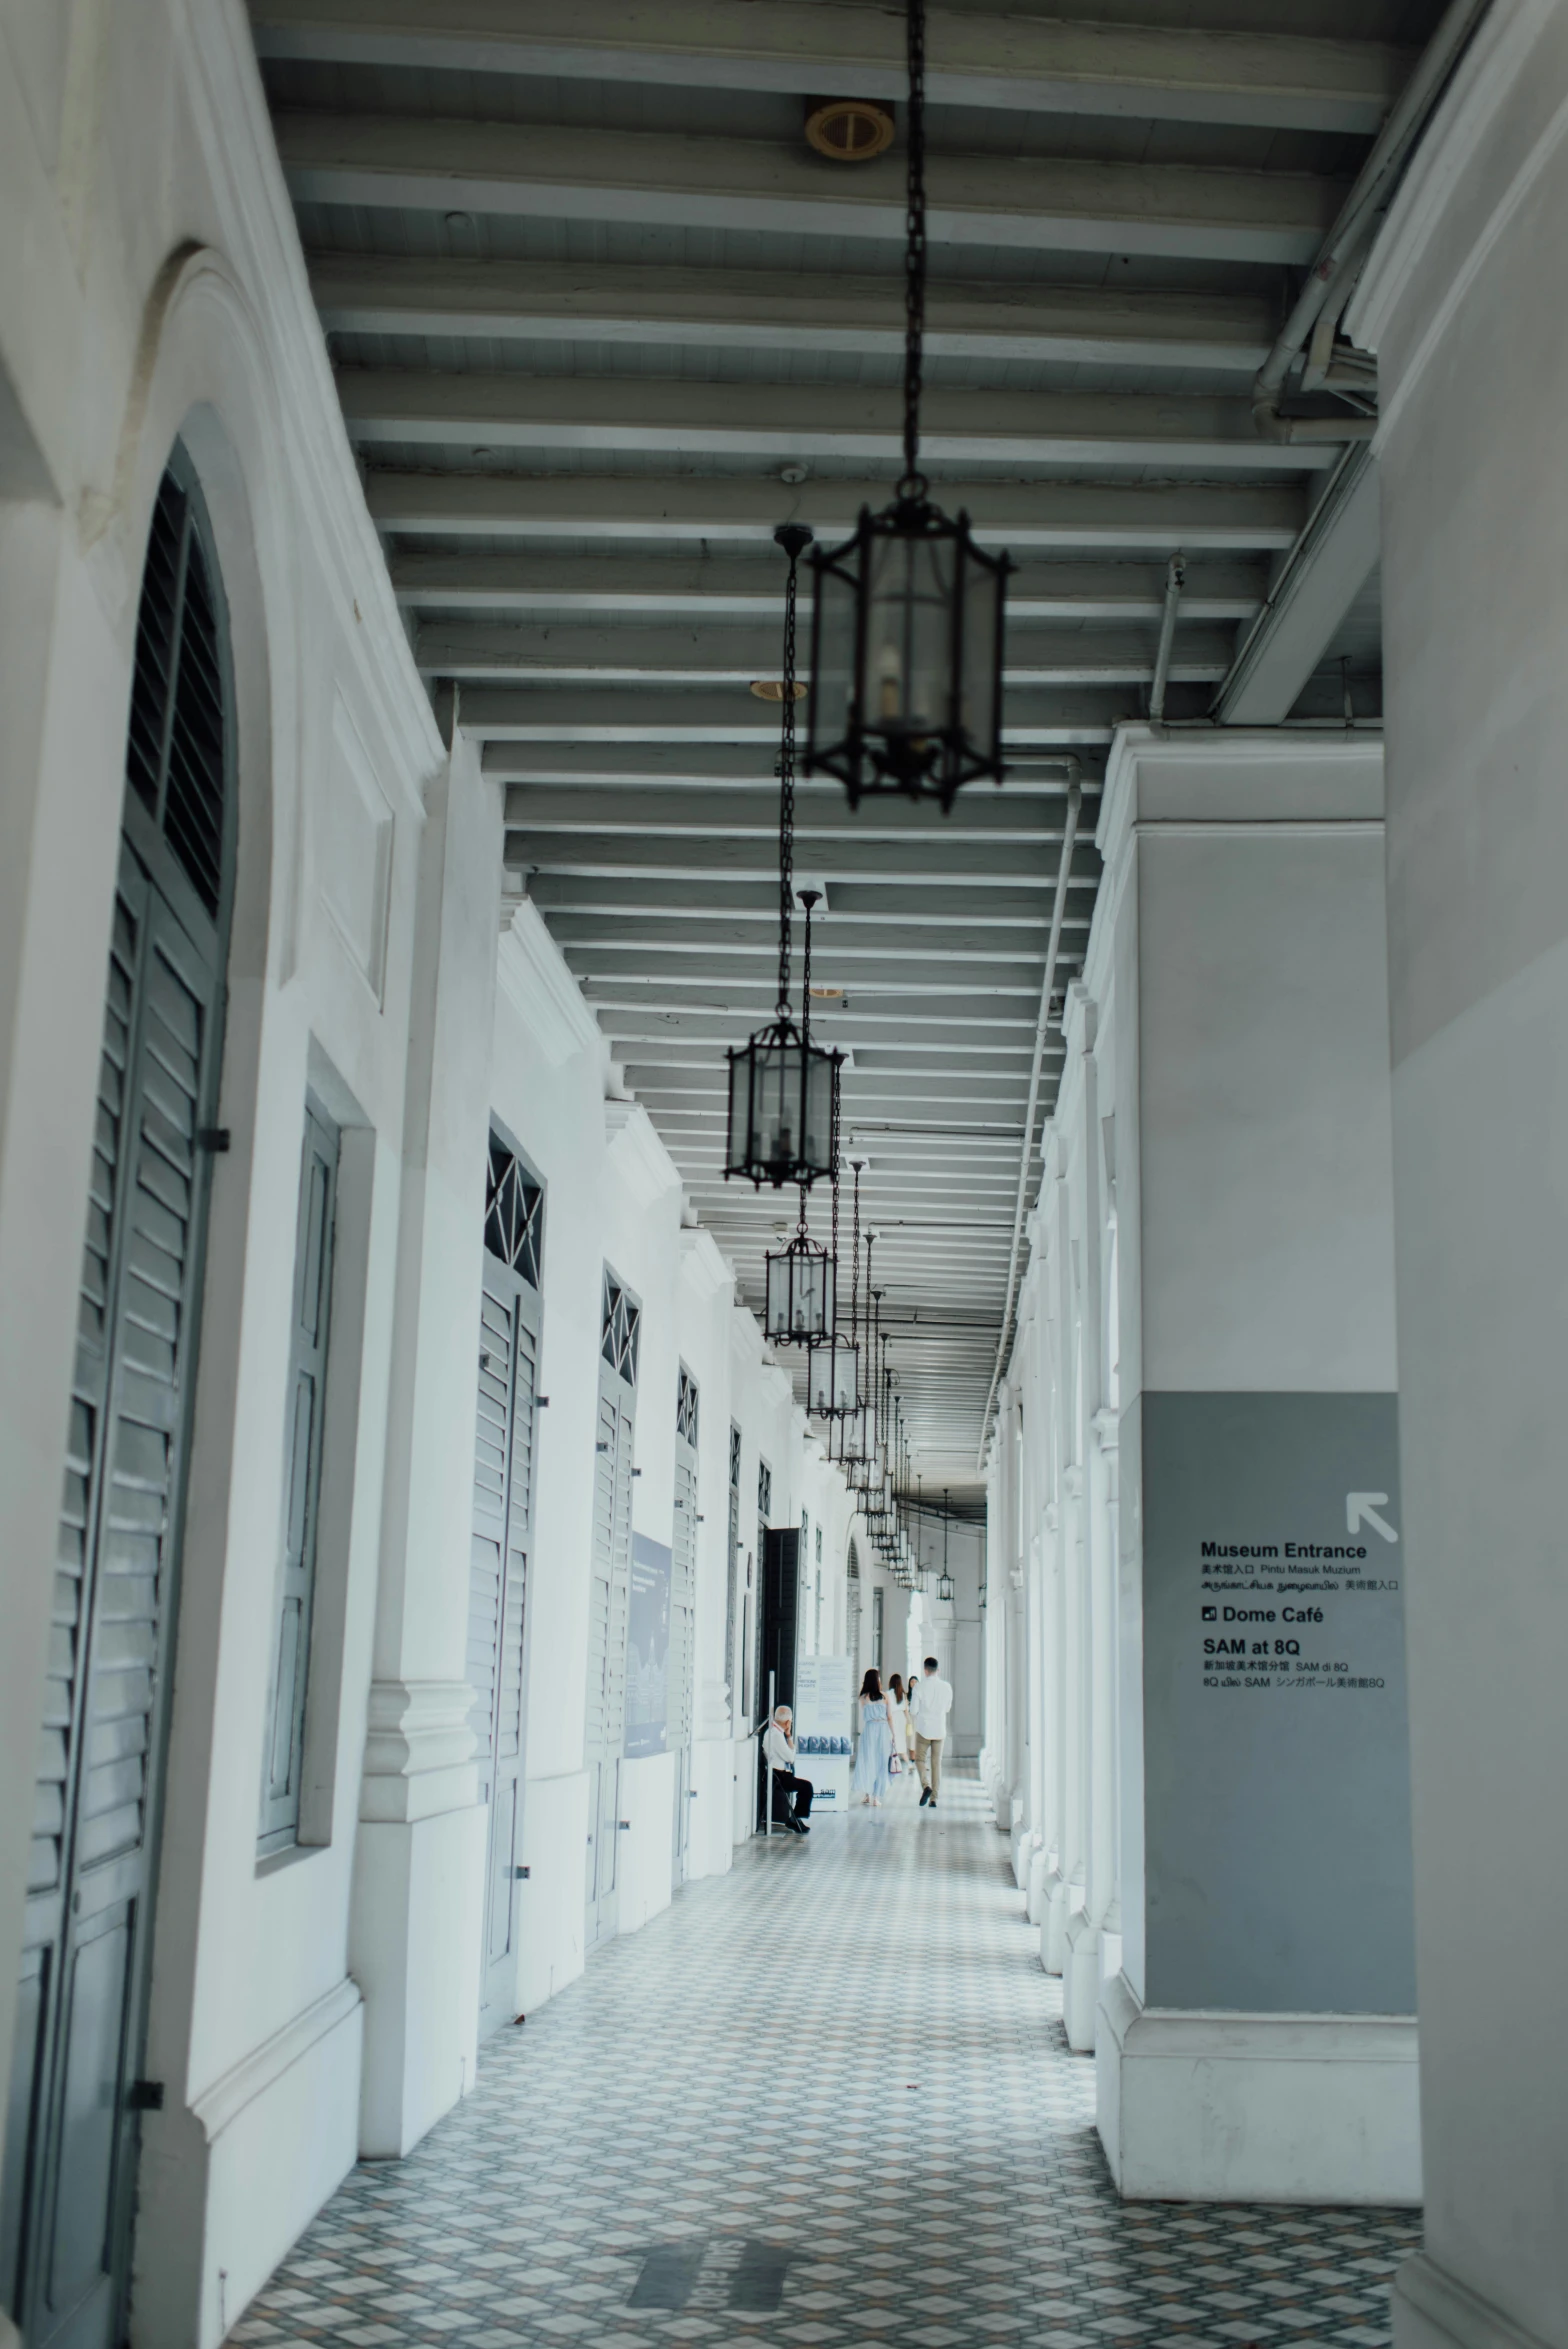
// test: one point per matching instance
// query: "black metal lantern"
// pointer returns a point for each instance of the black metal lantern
(783, 1097)
(944, 1588)
(908, 614)
(833, 1373)
(800, 1304)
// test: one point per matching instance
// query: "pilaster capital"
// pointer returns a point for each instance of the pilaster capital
(419, 1750)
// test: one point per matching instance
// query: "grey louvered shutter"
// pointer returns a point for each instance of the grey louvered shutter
(307, 1389)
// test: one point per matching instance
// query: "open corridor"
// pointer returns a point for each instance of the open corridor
(823, 2098)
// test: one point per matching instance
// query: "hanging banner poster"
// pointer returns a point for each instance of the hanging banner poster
(823, 1712)
(648, 1648)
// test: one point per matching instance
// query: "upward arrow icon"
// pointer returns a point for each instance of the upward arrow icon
(1362, 1508)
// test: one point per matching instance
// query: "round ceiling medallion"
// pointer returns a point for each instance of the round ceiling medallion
(772, 689)
(849, 130)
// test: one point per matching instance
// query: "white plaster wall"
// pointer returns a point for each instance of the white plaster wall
(152, 285)
(1472, 362)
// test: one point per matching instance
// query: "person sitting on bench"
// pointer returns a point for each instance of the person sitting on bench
(791, 1795)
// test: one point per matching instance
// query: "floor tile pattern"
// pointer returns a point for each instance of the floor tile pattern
(823, 2100)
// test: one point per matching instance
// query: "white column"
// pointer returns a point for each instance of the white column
(415, 1928)
(1096, 1648)
(1259, 2040)
(1471, 367)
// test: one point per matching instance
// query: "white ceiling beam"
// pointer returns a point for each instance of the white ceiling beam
(748, 766)
(974, 860)
(851, 946)
(609, 416)
(648, 179)
(905, 962)
(564, 653)
(931, 902)
(731, 509)
(720, 589)
(754, 815)
(989, 59)
(672, 307)
(1330, 564)
(549, 713)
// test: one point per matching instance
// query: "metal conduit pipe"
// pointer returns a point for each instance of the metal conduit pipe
(1333, 273)
(1026, 1156)
(1175, 581)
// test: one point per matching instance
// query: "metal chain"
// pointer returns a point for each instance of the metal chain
(914, 483)
(854, 1285)
(787, 795)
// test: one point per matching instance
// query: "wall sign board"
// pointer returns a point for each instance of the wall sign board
(1278, 1871)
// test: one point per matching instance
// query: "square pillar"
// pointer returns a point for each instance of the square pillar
(415, 1930)
(1258, 2042)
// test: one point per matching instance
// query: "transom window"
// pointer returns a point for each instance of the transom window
(622, 1323)
(764, 1491)
(686, 1408)
(514, 1213)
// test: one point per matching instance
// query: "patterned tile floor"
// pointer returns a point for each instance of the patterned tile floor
(714, 2137)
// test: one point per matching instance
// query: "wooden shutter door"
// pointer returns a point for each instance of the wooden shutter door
(71, 2152)
(497, 1592)
(683, 1615)
(301, 1483)
(609, 1609)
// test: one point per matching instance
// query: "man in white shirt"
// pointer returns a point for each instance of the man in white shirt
(791, 1795)
(929, 1707)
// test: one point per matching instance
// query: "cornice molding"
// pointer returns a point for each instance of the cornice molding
(1487, 77)
(637, 1154)
(703, 1262)
(746, 1335)
(259, 231)
(533, 975)
(419, 1749)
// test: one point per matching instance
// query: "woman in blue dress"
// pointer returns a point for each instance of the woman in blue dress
(870, 1777)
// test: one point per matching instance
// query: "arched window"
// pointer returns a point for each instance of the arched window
(81, 2025)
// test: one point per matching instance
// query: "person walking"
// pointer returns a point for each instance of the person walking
(929, 1706)
(870, 1775)
(900, 1720)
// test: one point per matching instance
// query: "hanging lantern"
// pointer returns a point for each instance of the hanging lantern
(944, 1588)
(783, 1089)
(833, 1380)
(833, 1373)
(907, 615)
(799, 1296)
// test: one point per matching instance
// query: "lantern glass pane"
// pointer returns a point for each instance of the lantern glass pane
(908, 679)
(811, 1297)
(981, 663)
(776, 1314)
(739, 1145)
(819, 1088)
(833, 649)
(775, 1114)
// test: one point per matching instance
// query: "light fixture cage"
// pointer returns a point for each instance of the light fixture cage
(944, 1587)
(855, 1438)
(783, 1108)
(799, 1302)
(833, 1379)
(907, 631)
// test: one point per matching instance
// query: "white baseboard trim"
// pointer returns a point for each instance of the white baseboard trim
(1433, 2310)
(1216, 2107)
(228, 2096)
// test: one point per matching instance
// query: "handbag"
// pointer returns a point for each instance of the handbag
(895, 1765)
